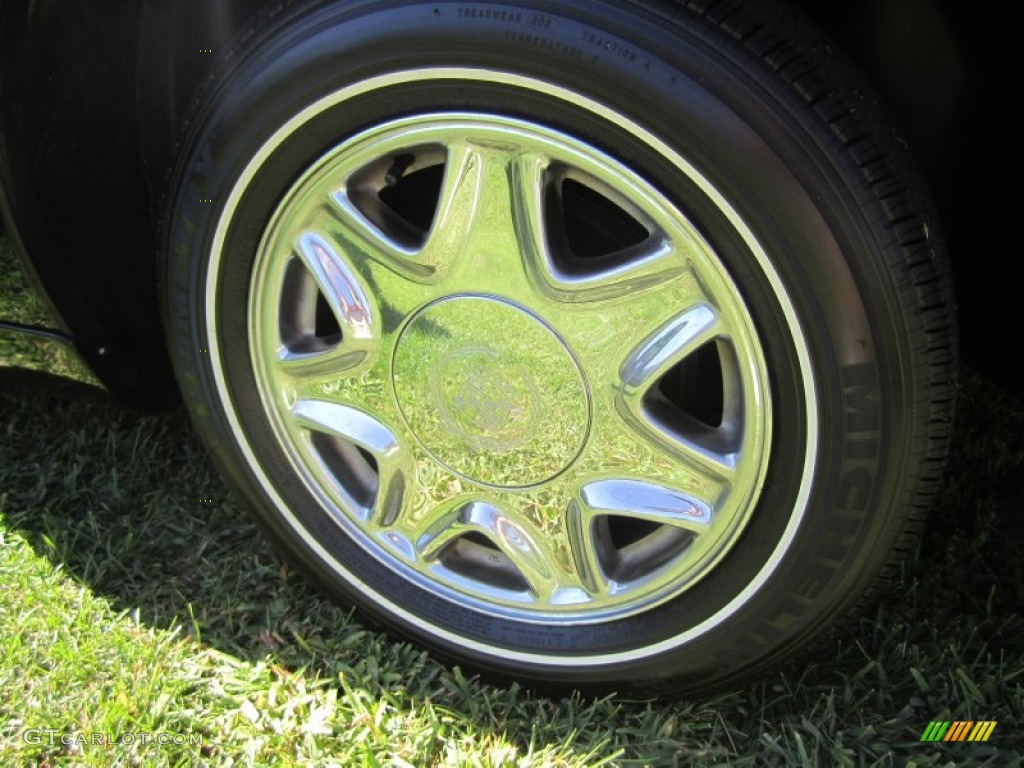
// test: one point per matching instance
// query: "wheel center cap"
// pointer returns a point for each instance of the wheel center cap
(490, 391)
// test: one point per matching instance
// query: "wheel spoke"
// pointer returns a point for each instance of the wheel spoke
(637, 460)
(349, 304)
(585, 551)
(348, 423)
(484, 228)
(638, 404)
(318, 317)
(665, 522)
(330, 362)
(373, 227)
(667, 346)
(690, 447)
(523, 550)
(391, 490)
(646, 501)
(625, 531)
(391, 271)
(628, 344)
(463, 187)
(659, 249)
(646, 266)
(414, 496)
(700, 447)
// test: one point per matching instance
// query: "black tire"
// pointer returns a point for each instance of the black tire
(759, 136)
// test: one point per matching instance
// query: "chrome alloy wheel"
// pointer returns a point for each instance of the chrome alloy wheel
(598, 346)
(510, 368)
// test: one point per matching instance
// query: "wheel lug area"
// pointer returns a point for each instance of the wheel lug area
(490, 391)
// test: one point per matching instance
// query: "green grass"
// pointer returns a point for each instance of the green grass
(137, 597)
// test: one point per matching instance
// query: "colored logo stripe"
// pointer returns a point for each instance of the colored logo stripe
(982, 730)
(958, 730)
(935, 730)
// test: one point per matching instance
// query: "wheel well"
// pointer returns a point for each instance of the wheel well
(91, 97)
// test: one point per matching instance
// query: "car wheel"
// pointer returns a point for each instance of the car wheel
(594, 344)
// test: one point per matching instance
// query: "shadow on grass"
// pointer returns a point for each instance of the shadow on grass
(130, 506)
